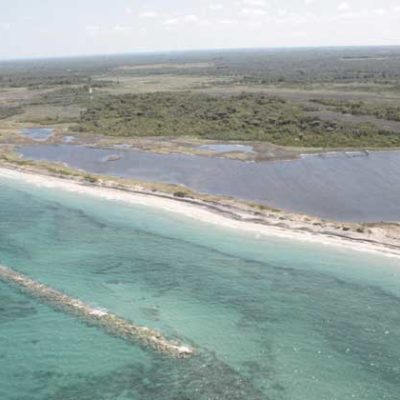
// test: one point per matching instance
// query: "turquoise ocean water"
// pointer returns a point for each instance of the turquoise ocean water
(270, 319)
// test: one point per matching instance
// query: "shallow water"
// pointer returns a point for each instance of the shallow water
(69, 139)
(39, 134)
(270, 319)
(342, 187)
(226, 148)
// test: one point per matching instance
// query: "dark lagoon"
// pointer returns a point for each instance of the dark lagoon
(347, 187)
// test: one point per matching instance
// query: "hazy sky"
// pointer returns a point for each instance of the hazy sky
(45, 28)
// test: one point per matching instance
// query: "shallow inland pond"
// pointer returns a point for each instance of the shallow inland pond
(38, 134)
(363, 188)
(269, 319)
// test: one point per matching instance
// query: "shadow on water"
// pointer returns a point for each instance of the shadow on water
(199, 378)
(11, 308)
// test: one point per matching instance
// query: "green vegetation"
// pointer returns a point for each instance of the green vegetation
(64, 96)
(13, 80)
(243, 117)
(381, 111)
(180, 194)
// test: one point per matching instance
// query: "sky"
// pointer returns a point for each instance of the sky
(53, 28)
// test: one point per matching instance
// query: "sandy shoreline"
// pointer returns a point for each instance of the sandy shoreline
(201, 212)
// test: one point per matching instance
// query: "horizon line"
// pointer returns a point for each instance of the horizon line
(197, 50)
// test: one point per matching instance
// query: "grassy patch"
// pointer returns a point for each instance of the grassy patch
(6, 112)
(378, 110)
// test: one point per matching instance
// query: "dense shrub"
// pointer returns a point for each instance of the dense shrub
(243, 117)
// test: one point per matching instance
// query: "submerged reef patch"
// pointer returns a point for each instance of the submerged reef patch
(109, 322)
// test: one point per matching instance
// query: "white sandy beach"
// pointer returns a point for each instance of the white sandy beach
(197, 212)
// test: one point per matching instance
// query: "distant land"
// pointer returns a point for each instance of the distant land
(323, 97)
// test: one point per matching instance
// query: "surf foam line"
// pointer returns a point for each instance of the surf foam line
(109, 322)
